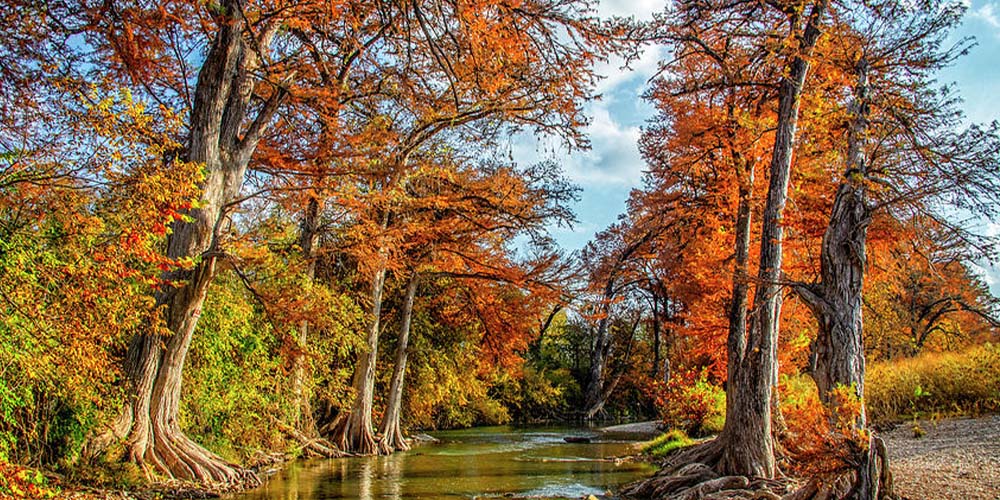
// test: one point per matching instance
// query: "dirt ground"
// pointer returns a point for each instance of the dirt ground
(954, 459)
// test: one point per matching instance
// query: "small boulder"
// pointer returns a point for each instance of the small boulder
(424, 439)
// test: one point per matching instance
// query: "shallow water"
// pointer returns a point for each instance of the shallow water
(483, 462)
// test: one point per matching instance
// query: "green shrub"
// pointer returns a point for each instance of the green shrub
(442, 394)
(233, 378)
(693, 404)
(538, 394)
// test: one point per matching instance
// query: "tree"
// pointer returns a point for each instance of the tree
(81, 222)
(612, 258)
(460, 72)
(224, 133)
(391, 438)
(125, 40)
(896, 148)
(781, 37)
(456, 221)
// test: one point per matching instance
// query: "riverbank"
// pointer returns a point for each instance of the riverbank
(952, 459)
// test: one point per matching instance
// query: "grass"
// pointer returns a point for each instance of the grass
(666, 443)
(935, 384)
(931, 385)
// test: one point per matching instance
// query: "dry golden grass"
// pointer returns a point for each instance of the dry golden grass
(935, 384)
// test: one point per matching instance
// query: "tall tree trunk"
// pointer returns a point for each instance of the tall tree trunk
(603, 343)
(622, 365)
(655, 368)
(354, 433)
(747, 443)
(594, 398)
(836, 301)
(391, 433)
(308, 240)
(737, 339)
(220, 142)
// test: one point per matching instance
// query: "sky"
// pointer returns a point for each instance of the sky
(612, 167)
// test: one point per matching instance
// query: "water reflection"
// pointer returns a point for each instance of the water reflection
(476, 463)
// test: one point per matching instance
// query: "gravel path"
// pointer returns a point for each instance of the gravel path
(955, 459)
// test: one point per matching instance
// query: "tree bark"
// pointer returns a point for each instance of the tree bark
(308, 240)
(354, 432)
(621, 368)
(737, 339)
(595, 393)
(392, 438)
(747, 443)
(603, 343)
(838, 358)
(836, 301)
(220, 142)
(655, 368)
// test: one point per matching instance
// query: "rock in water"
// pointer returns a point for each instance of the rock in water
(576, 439)
(425, 438)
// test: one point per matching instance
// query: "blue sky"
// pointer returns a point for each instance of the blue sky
(613, 166)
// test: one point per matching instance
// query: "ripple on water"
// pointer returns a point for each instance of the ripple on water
(496, 462)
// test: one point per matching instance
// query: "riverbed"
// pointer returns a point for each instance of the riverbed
(484, 462)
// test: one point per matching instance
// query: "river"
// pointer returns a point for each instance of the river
(483, 462)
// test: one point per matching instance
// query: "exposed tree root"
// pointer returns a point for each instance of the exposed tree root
(392, 440)
(309, 446)
(691, 474)
(159, 447)
(353, 436)
(174, 455)
(707, 453)
(699, 481)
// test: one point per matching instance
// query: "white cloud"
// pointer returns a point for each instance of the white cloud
(641, 9)
(990, 274)
(644, 68)
(613, 162)
(614, 158)
(606, 172)
(991, 271)
(613, 166)
(988, 13)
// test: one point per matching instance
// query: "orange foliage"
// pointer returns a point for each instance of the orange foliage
(824, 441)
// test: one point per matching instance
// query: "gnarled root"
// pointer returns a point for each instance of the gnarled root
(169, 452)
(870, 479)
(392, 440)
(696, 481)
(682, 470)
(691, 474)
(351, 436)
(161, 448)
